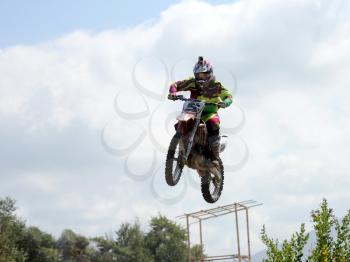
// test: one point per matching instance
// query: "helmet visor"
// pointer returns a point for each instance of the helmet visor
(202, 76)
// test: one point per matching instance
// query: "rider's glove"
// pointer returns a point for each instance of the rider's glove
(172, 96)
(222, 105)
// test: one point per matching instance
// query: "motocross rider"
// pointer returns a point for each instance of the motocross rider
(203, 86)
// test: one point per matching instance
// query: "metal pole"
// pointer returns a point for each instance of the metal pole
(248, 235)
(188, 238)
(200, 235)
(237, 230)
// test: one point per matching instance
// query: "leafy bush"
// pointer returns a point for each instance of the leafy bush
(326, 249)
(165, 241)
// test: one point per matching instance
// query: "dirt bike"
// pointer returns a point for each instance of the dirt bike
(189, 146)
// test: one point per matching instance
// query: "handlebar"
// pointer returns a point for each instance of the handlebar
(182, 98)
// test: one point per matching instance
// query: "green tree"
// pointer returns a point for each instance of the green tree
(197, 253)
(289, 251)
(130, 244)
(166, 240)
(324, 220)
(39, 246)
(106, 249)
(11, 232)
(73, 247)
(327, 247)
(342, 245)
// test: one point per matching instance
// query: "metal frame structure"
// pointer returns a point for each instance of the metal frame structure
(217, 212)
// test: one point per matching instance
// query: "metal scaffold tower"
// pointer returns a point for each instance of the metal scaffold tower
(234, 208)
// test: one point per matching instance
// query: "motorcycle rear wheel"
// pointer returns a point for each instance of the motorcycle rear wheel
(211, 185)
(173, 164)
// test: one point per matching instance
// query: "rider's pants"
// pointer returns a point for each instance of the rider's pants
(213, 125)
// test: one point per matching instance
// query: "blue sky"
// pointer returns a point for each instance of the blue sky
(29, 22)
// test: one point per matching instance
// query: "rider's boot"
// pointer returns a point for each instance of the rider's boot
(214, 144)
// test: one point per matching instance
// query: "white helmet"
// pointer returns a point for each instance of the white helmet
(203, 72)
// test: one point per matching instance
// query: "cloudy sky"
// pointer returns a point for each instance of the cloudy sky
(84, 123)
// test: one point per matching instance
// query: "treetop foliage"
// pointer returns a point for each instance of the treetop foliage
(327, 248)
(165, 241)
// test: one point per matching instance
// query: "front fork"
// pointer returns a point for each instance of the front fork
(190, 138)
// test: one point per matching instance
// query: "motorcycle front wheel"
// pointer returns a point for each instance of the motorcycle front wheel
(173, 164)
(212, 183)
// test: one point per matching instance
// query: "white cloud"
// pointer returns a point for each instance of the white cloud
(291, 60)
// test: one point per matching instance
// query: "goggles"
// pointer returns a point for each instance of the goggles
(202, 76)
